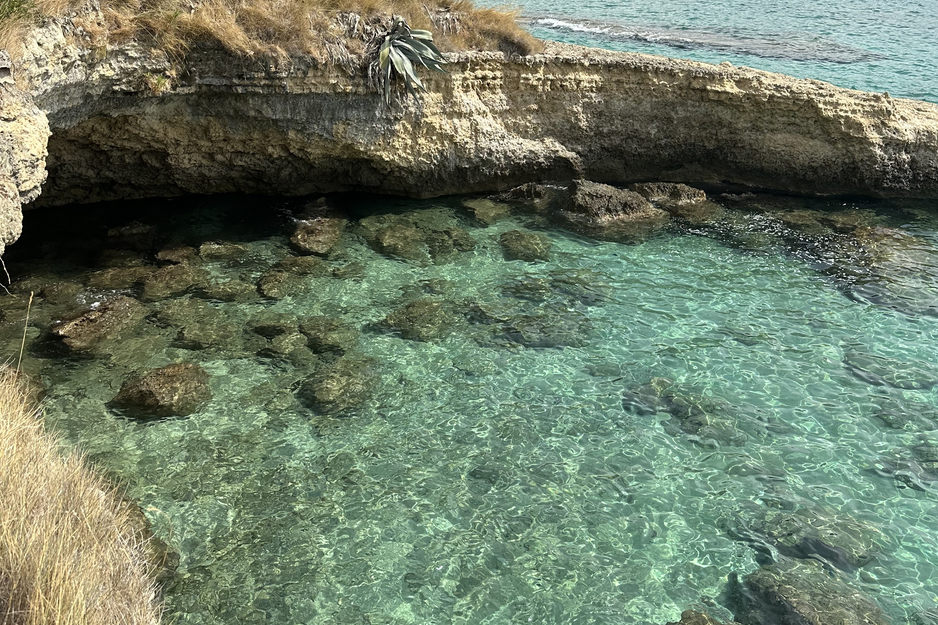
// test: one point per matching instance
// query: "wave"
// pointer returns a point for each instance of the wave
(775, 46)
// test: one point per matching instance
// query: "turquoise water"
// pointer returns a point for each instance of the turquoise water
(873, 45)
(504, 474)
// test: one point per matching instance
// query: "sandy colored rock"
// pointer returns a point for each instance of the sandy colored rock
(526, 246)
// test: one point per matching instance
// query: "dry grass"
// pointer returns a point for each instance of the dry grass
(68, 555)
(337, 31)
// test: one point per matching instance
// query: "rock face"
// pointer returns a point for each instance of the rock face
(294, 126)
(174, 390)
(24, 132)
(240, 124)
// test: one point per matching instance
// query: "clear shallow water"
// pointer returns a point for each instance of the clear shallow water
(873, 45)
(485, 481)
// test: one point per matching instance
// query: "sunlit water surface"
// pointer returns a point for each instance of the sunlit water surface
(489, 481)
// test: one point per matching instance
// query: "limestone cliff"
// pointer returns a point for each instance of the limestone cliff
(23, 135)
(128, 123)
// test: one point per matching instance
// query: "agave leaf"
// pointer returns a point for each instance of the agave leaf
(404, 67)
(383, 54)
(422, 49)
(421, 34)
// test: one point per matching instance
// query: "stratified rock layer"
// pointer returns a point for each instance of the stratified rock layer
(239, 124)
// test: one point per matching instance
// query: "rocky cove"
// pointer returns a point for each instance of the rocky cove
(542, 404)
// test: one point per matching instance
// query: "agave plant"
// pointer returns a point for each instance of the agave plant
(401, 50)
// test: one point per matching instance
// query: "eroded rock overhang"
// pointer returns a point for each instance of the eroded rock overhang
(126, 123)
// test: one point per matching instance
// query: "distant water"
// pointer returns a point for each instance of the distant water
(873, 45)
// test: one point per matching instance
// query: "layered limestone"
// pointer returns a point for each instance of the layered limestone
(127, 122)
(24, 132)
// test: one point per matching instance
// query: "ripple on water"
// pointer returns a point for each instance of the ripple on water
(721, 404)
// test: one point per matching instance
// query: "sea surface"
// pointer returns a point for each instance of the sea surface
(611, 435)
(872, 45)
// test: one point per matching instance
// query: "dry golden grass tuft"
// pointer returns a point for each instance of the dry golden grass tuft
(336, 31)
(68, 552)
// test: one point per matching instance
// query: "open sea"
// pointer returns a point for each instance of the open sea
(423, 428)
(872, 45)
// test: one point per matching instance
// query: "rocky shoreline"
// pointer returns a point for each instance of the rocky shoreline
(129, 122)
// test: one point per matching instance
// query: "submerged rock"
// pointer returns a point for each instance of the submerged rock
(803, 592)
(423, 320)
(317, 232)
(107, 320)
(693, 617)
(329, 334)
(230, 291)
(339, 387)
(602, 210)
(424, 236)
(879, 371)
(277, 284)
(136, 236)
(812, 533)
(201, 326)
(706, 419)
(222, 250)
(401, 241)
(174, 390)
(161, 558)
(303, 266)
(903, 415)
(486, 211)
(118, 278)
(171, 281)
(179, 254)
(526, 246)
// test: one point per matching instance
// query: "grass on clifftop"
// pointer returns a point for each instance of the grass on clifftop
(68, 554)
(336, 31)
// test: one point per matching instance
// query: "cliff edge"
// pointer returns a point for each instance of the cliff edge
(128, 122)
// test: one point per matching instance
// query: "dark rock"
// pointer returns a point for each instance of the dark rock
(902, 415)
(61, 293)
(444, 245)
(271, 324)
(201, 326)
(601, 209)
(118, 278)
(317, 233)
(879, 371)
(179, 255)
(339, 387)
(848, 221)
(803, 592)
(230, 291)
(401, 241)
(279, 284)
(216, 250)
(669, 194)
(108, 320)
(174, 390)
(814, 533)
(328, 334)
(807, 221)
(135, 236)
(693, 617)
(486, 211)
(161, 558)
(304, 266)
(423, 320)
(171, 281)
(535, 197)
(568, 328)
(350, 271)
(707, 419)
(118, 258)
(526, 246)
